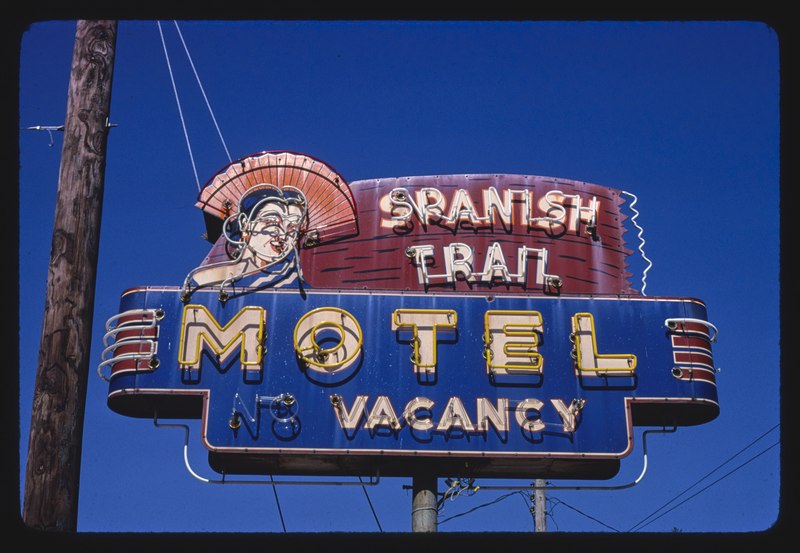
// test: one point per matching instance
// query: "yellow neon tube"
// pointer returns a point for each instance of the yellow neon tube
(516, 349)
(341, 328)
(204, 337)
(452, 316)
(629, 358)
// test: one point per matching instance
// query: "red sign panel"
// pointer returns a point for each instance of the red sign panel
(467, 233)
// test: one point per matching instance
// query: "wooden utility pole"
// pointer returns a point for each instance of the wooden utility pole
(539, 506)
(59, 398)
(424, 514)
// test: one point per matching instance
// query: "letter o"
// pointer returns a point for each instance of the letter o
(333, 359)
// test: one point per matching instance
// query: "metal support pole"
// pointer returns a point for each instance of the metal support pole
(424, 515)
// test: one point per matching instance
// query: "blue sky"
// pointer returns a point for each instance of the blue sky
(683, 114)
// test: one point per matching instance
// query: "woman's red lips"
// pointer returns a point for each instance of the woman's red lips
(277, 245)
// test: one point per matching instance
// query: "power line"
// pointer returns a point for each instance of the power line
(496, 500)
(598, 521)
(526, 498)
(180, 111)
(202, 90)
(639, 525)
(363, 487)
(550, 512)
(635, 527)
(753, 458)
(530, 504)
(280, 512)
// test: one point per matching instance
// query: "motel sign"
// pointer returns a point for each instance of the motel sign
(461, 324)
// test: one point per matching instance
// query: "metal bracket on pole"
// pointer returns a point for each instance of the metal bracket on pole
(57, 128)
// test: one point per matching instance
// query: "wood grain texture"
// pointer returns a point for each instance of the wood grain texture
(54, 452)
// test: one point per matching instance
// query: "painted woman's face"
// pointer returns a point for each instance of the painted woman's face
(272, 230)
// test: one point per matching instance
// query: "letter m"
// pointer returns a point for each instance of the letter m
(200, 329)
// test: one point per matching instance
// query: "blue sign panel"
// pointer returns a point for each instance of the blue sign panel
(298, 381)
(451, 324)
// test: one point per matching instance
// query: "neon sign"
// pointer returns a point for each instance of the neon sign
(430, 205)
(460, 356)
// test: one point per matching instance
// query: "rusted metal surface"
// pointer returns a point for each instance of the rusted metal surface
(376, 258)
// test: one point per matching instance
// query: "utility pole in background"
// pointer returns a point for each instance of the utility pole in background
(59, 399)
(539, 506)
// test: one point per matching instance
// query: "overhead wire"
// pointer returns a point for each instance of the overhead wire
(598, 521)
(456, 487)
(557, 501)
(202, 90)
(645, 522)
(640, 524)
(530, 504)
(178, 101)
(753, 458)
(495, 500)
(374, 514)
(750, 460)
(526, 498)
(550, 513)
(277, 501)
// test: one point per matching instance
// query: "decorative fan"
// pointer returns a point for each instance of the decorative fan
(332, 213)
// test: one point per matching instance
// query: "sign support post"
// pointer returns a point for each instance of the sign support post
(54, 451)
(424, 513)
